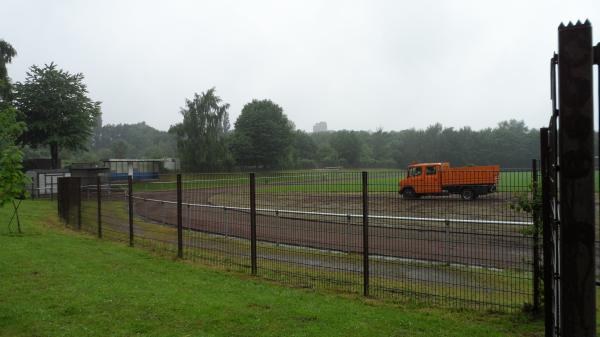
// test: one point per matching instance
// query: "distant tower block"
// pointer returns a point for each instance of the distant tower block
(320, 127)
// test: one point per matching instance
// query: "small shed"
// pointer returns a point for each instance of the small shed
(45, 182)
(88, 172)
(140, 169)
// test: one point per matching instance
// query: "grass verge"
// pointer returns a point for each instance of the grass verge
(55, 282)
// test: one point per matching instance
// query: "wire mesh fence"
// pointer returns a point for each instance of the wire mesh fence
(89, 208)
(309, 229)
(461, 239)
(114, 212)
(216, 231)
(469, 244)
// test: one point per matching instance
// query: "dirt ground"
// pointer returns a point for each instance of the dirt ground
(505, 246)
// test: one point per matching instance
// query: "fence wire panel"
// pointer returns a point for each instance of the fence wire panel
(89, 209)
(155, 215)
(216, 219)
(451, 237)
(307, 229)
(115, 220)
(461, 237)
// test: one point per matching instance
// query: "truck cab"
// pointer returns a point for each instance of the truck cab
(422, 179)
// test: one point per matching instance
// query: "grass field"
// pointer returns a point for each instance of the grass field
(315, 181)
(55, 282)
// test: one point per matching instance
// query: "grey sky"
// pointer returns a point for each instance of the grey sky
(355, 65)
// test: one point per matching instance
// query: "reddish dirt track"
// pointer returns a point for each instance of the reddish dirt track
(420, 241)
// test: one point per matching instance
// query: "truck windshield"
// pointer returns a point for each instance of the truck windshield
(414, 171)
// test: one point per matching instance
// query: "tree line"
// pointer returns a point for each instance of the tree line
(264, 138)
(510, 144)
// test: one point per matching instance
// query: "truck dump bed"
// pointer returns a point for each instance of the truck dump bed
(470, 175)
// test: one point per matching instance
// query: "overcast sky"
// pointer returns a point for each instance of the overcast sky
(356, 65)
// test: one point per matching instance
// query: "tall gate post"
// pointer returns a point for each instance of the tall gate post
(576, 181)
(597, 63)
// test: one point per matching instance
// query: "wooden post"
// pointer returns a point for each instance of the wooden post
(576, 179)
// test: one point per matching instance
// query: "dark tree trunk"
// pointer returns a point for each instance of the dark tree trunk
(54, 155)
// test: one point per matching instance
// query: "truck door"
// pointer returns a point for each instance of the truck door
(431, 180)
(415, 178)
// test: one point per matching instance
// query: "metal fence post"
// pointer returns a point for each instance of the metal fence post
(65, 201)
(365, 206)
(536, 239)
(79, 207)
(130, 199)
(99, 205)
(225, 223)
(179, 219)
(447, 241)
(59, 201)
(32, 190)
(253, 222)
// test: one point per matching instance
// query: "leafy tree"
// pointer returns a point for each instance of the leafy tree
(57, 110)
(304, 150)
(143, 141)
(263, 135)
(327, 156)
(348, 145)
(12, 178)
(120, 148)
(201, 136)
(380, 145)
(7, 52)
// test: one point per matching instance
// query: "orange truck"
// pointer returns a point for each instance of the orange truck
(441, 179)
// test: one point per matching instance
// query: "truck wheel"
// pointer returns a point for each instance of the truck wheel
(409, 193)
(468, 194)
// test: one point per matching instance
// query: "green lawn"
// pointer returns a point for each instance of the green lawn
(314, 181)
(378, 181)
(55, 282)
